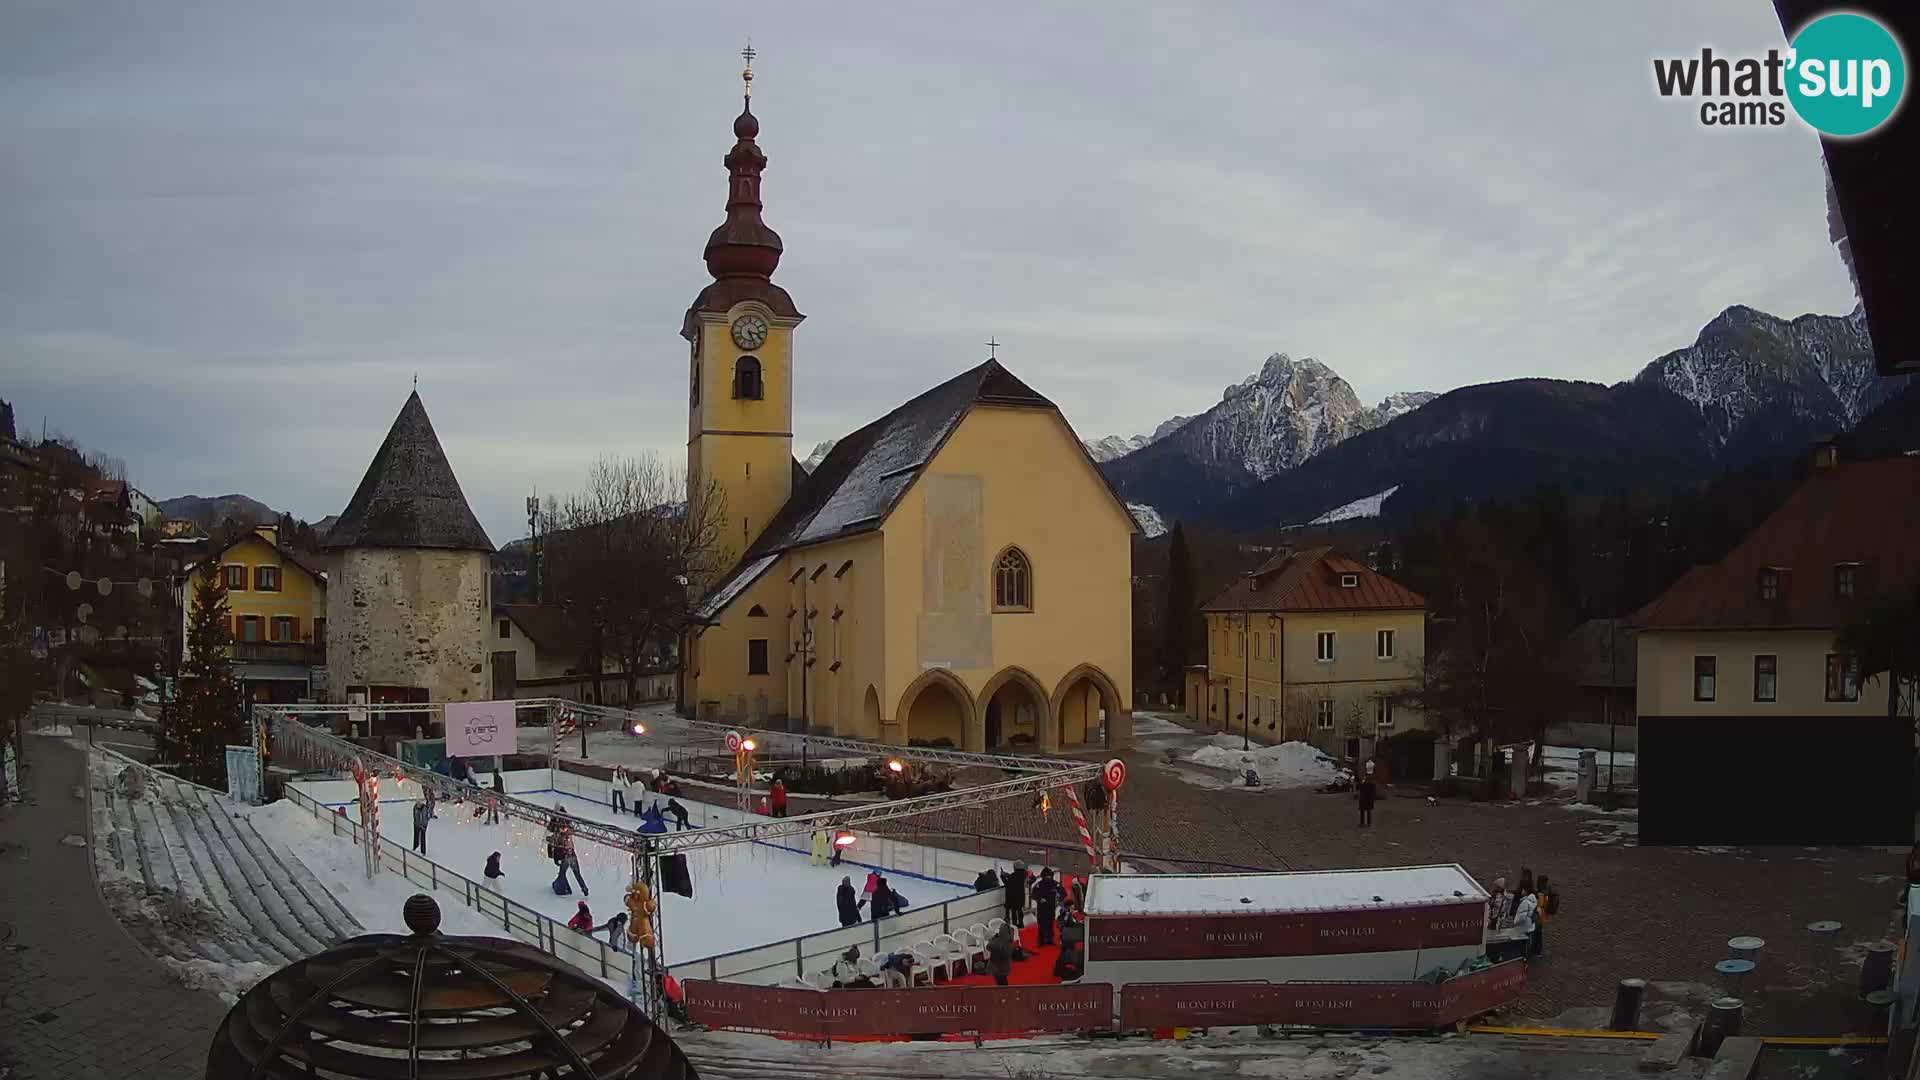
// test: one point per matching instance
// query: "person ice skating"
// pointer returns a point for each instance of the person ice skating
(1046, 893)
(872, 883)
(493, 804)
(582, 919)
(881, 899)
(653, 822)
(570, 860)
(848, 904)
(616, 931)
(1000, 954)
(1365, 792)
(1015, 882)
(618, 794)
(777, 797)
(679, 814)
(421, 815)
(494, 873)
(987, 881)
(821, 842)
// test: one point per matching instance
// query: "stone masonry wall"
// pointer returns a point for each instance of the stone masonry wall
(409, 617)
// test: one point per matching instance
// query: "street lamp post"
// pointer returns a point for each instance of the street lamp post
(1246, 682)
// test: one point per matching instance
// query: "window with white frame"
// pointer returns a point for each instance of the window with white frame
(1383, 712)
(1323, 646)
(1323, 714)
(1383, 644)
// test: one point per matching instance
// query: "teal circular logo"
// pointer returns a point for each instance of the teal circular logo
(1847, 74)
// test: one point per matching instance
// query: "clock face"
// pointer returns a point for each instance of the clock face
(749, 331)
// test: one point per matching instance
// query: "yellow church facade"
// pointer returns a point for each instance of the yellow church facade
(957, 572)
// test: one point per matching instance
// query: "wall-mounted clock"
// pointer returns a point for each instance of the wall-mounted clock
(749, 331)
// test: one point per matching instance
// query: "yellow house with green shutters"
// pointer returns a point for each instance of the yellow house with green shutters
(956, 572)
(277, 612)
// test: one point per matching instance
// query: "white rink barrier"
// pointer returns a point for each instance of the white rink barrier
(587, 952)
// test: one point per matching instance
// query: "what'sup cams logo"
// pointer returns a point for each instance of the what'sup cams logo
(1843, 74)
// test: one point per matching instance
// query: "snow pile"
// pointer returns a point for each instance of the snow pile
(1290, 764)
(229, 979)
(57, 730)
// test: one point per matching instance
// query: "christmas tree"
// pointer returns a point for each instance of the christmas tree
(205, 715)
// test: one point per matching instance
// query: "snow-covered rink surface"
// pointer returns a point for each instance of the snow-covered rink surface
(744, 895)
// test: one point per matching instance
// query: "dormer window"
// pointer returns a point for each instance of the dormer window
(1769, 584)
(746, 379)
(1349, 581)
(1845, 580)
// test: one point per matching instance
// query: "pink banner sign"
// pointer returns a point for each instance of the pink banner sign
(480, 728)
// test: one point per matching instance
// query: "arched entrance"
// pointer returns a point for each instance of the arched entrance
(1014, 712)
(870, 714)
(936, 707)
(1088, 703)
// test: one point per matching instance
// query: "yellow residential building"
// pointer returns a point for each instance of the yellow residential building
(956, 572)
(1316, 647)
(277, 612)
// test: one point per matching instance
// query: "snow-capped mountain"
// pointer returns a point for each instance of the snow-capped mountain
(1149, 520)
(1108, 447)
(820, 451)
(1747, 363)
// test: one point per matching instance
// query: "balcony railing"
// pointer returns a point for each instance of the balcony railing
(281, 652)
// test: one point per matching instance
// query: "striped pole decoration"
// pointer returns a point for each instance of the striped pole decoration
(1080, 822)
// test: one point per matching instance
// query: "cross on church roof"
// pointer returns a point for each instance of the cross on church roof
(993, 349)
(746, 76)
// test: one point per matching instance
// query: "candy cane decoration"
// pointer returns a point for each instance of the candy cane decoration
(1112, 775)
(1080, 822)
(369, 785)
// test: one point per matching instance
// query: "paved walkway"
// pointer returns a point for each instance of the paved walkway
(78, 999)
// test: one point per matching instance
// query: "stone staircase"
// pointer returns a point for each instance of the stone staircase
(192, 880)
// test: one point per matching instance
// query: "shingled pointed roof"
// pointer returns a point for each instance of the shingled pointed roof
(1310, 581)
(858, 484)
(409, 497)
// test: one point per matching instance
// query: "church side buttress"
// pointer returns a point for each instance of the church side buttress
(739, 332)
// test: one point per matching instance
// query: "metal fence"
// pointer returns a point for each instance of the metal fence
(584, 951)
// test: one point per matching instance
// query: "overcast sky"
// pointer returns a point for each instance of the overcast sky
(232, 232)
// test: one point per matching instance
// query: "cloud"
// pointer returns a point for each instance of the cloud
(235, 234)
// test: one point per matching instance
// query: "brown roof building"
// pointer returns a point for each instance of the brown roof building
(1312, 646)
(1754, 727)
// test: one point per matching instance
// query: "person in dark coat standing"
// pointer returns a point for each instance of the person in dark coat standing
(1365, 792)
(422, 814)
(848, 903)
(493, 804)
(679, 813)
(1016, 905)
(493, 872)
(1046, 894)
(1000, 955)
(881, 898)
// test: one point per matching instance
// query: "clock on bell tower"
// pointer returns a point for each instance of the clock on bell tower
(740, 335)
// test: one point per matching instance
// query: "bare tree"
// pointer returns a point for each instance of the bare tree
(626, 557)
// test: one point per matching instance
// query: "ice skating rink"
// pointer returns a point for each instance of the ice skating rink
(744, 895)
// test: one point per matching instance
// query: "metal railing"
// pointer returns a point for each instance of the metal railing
(584, 951)
(797, 957)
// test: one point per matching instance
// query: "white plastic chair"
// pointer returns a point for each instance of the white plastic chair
(994, 925)
(927, 961)
(871, 970)
(955, 953)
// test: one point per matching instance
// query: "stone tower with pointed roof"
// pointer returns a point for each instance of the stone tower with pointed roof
(408, 602)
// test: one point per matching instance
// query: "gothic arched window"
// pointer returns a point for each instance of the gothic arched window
(1012, 581)
(746, 378)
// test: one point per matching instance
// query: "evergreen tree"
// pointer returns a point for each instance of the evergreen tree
(1179, 611)
(205, 715)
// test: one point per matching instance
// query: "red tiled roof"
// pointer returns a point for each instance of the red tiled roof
(1310, 581)
(1866, 513)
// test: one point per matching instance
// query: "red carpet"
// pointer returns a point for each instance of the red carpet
(1035, 970)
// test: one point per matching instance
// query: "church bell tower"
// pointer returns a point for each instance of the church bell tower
(739, 332)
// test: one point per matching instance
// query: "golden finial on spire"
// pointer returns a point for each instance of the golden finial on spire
(746, 75)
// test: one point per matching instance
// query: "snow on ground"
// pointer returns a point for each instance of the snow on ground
(1290, 764)
(1368, 507)
(1148, 725)
(229, 979)
(339, 864)
(743, 894)
(57, 730)
(1562, 766)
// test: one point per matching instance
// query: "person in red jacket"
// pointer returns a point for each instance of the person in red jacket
(582, 919)
(777, 797)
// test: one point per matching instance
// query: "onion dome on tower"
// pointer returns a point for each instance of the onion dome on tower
(744, 251)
